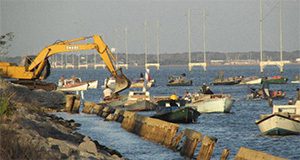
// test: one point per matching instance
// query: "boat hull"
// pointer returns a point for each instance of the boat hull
(254, 81)
(141, 85)
(181, 115)
(81, 87)
(142, 105)
(222, 105)
(276, 124)
(226, 82)
(187, 83)
(296, 81)
(276, 81)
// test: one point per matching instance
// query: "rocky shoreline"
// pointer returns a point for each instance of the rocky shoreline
(28, 132)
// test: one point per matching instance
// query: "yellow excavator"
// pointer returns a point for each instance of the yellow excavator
(38, 68)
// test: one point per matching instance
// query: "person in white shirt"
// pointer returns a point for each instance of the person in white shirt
(107, 93)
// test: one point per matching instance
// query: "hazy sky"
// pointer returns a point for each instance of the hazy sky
(232, 25)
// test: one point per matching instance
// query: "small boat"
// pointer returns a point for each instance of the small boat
(75, 84)
(275, 80)
(296, 79)
(73, 87)
(285, 120)
(140, 84)
(117, 102)
(179, 81)
(227, 81)
(251, 80)
(211, 103)
(220, 80)
(274, 94)
(177, 115)
(139, 101)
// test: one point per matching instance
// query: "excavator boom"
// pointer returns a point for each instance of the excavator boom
(36, 67)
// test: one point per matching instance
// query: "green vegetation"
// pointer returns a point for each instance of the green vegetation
(4, 104)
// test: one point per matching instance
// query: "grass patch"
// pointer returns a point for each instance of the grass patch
(4, 104)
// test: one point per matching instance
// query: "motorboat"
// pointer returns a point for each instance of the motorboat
(179, 81)
(139, 101)
(285, 120)
(296, 79)
(251, 80)
(211, 103)
(275, 80)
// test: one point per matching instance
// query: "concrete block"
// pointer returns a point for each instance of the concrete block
(207, 148)
(76, 106)
(249, 154)
(69, 103)
(110, 117)
(225, 154)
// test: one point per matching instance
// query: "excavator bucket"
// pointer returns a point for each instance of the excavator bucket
(122, 82)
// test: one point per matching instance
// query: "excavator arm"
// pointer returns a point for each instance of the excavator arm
(34, 70)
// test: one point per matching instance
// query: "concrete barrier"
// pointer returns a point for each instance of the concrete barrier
(88, 107)
(72, 104)
(192, 139)
(149, 128)
(76, 106)
(165, 133)
(207, 148)
(96, 109)
(69, 103)
(225, 154)
(249, 154)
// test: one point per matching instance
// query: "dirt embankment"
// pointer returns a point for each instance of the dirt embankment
(27, 132)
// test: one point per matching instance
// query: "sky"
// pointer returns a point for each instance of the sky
(231, 25)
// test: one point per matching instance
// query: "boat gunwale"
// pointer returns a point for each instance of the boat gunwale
(276, 114)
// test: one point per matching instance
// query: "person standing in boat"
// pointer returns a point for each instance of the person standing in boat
(141, 76)
(107, 93)
(206, 89)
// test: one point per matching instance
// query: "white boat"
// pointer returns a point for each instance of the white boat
(74, 87)
(295, 81)
(140, 84)
(285, 120)
(92, 84)
(139, 101)
(205, 103)
(251, 80)
(75, 84)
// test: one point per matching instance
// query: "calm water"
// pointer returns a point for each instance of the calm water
(232, 130)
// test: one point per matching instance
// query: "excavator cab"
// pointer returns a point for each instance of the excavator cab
(122, 82)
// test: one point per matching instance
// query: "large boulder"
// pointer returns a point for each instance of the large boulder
(21, 94)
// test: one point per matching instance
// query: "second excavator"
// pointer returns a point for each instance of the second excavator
(38, 68)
